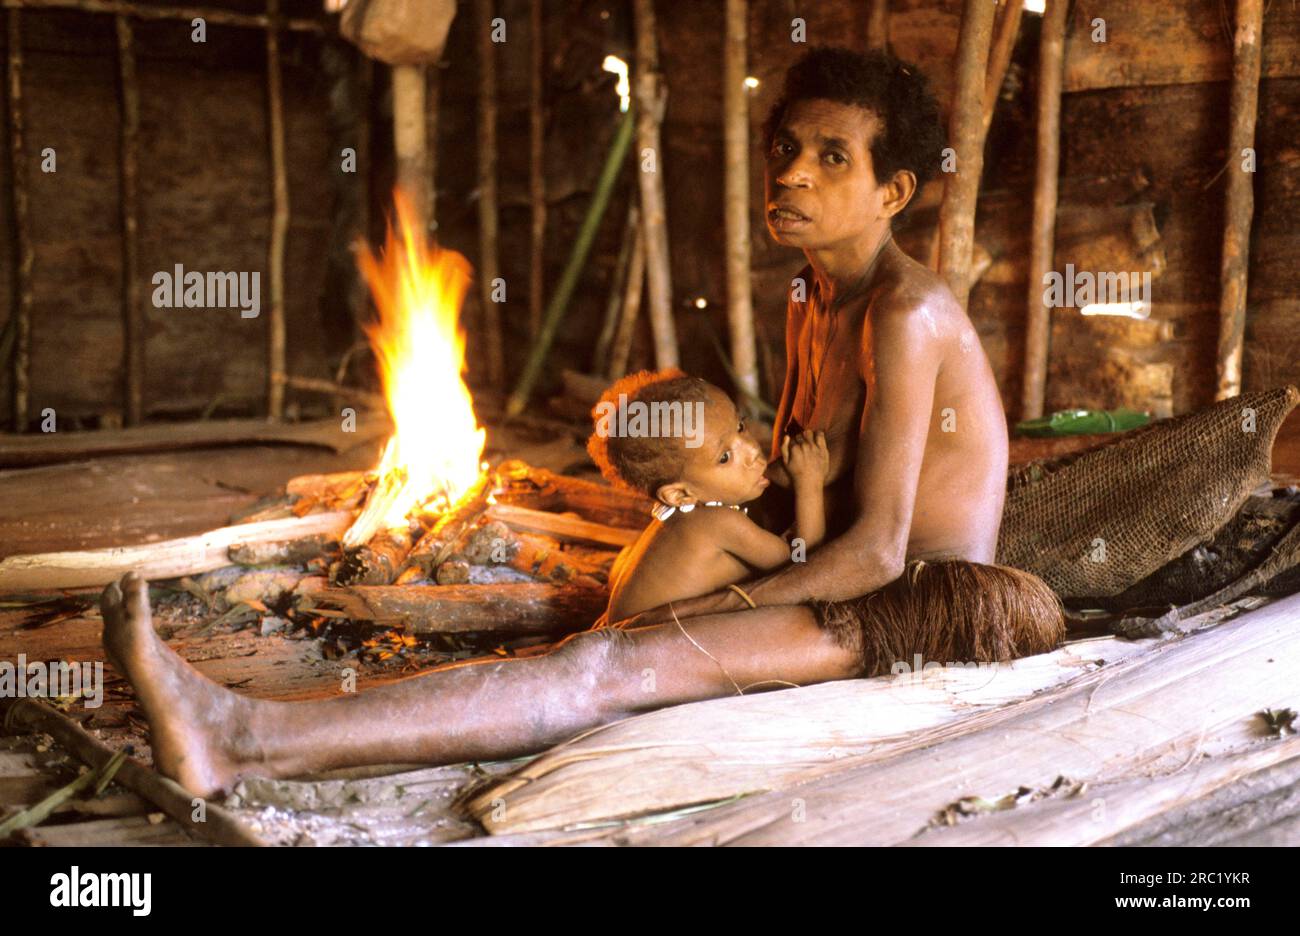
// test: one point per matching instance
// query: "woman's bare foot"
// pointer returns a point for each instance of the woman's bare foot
(196, 727)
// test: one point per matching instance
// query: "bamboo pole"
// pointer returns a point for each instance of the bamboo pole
(275, 367)
(559, 301)
(213, 17)
(1051, 72)
(614, 304)
(957, 213)
(217, 825)
(22, 309)
(1240, 199)
(651, 97)
(133, 331)
(537, 169)
(1004, 43)
(878, 24)
(735, 118)
(487, 192)
(633, 288)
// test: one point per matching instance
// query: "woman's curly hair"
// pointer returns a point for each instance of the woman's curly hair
(911, 135)
(643, 463)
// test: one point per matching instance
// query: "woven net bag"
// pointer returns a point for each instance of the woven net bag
(1093, 523)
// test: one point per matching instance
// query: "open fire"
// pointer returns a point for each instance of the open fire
(434, 456)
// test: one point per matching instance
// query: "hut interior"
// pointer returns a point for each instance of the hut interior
(307, 305)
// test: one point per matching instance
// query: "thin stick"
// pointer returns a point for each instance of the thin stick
(218, 825)
(433, 95)
(1240, 200)
(22, 314)
(633, 288)
(537, 169)
(1051, 71)
(279, 219)
(207, 14)
(487, 192)
(651, 96)
(878, 24)
(957, 213)
(133, 316)
(614, 304)
(735, 117)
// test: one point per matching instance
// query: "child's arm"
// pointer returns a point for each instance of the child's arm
(749, 542)
(808, 462)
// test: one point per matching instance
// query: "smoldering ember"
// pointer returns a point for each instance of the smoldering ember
(652, 422)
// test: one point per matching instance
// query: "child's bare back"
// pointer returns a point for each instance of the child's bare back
(701, 538)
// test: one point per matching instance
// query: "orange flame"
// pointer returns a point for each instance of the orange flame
(437, 442)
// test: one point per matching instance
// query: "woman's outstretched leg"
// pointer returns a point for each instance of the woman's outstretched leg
(207, 737)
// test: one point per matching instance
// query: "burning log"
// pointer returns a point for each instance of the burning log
(546, 490)
(435, 546)
(541, 557)
(375, 563)
(289, 552)
(516, 609)
(562, 526)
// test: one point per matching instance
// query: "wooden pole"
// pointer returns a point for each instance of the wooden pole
(1051, 71)
(213, 17)
(1004, 43)
(26, 258)
(621, 348)
(651, 98)
(878, 24)
(537, 169)
(559, 301)
(433, 89)
(487, 192)
(957, 213)
(1240, 206)
(279, 218)
(735, 121)
(411, 138)
(133, 312)
(614, 304)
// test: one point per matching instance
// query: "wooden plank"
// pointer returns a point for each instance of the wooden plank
(54, 447)
(132, 830)
(168, 559)
(714, 750)
(1196, 30)
(1142, 718)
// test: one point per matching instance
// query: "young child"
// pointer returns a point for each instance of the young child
(701, 538)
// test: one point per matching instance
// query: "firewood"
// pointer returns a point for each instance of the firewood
(561, 526)
(454, 571)
(540, 489)
(455, 609)
(375, 563)
(168, 559)
(440, 541)
(288, 552)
